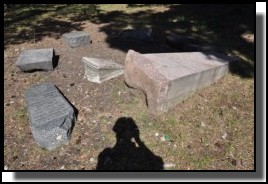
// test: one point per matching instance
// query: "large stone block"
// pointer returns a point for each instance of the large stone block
(100, 70)
(37, 59)
(169, 78)
(51, 116)
(76, 39)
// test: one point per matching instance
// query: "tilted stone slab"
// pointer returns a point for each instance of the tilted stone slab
(188, 43)
(100, 70)
(36, 59)
(137, 34)
(76, 39)
(169, 78)
(51, 116)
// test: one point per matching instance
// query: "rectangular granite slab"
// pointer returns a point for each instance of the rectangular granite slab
(51, 116)
(36, 59)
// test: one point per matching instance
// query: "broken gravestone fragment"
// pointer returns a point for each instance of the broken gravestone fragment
(169, 78)
(76, 39)
(137, 34)
(188, 43)
(51, 116)
(36, 59)
(100, 70)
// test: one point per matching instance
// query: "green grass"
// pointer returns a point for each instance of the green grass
(21, 115)
(203, 162)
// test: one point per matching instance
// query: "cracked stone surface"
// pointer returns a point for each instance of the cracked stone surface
(100, 70)
(76, 39)
(36, 59)
(51, 116)
(169, 78)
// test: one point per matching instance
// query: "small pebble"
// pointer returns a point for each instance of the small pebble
(91, 159)
(224, 135)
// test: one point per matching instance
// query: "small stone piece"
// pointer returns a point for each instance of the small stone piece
(100, 70)
(76, 39)
(38, 59)
(51, 116)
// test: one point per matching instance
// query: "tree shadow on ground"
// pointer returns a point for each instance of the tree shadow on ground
(32, 23)
(129, 152)
(224, 26)
(221, 26)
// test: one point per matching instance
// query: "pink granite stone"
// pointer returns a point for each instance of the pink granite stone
(169, 78)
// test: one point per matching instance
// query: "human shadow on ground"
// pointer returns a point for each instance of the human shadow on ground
(129, 152)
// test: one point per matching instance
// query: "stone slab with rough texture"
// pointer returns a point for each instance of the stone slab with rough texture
(169, 78)
(76, 39)
(51, 116)
(36, 59)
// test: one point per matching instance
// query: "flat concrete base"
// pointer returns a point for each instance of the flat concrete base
(169, 78)
(100, 70)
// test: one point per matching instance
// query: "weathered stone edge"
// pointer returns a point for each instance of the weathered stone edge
(151, 92)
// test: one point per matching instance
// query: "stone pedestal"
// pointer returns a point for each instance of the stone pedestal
(100, 70)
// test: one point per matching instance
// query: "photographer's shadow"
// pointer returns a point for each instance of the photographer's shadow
(129, 152)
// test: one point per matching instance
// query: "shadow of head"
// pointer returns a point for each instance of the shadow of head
(126, 129)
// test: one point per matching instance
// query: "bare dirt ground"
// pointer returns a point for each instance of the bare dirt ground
(213, 129)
